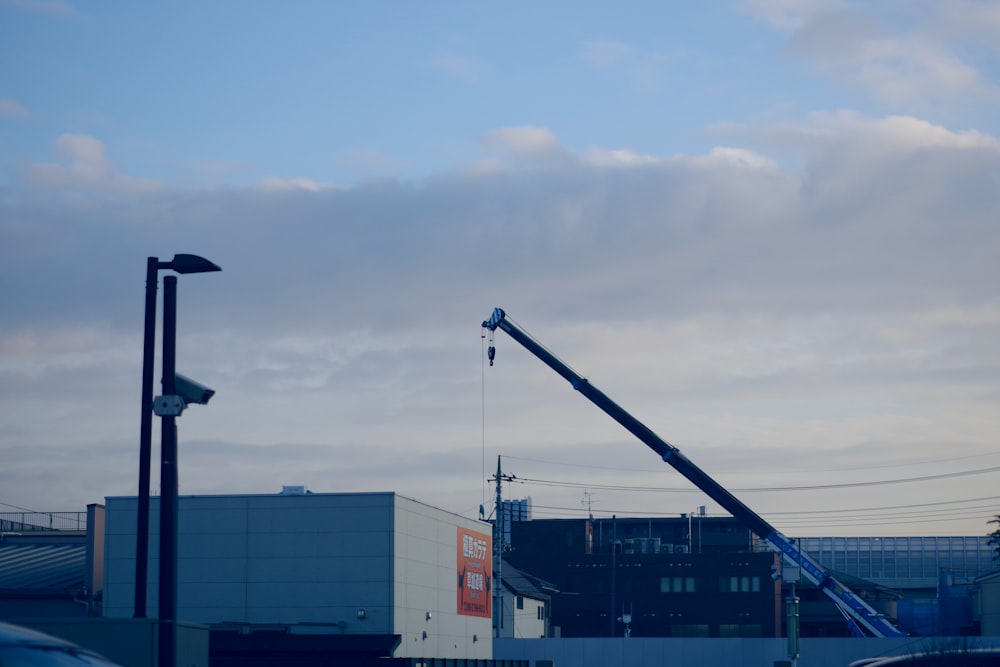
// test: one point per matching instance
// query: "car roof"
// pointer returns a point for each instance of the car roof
(15, 635)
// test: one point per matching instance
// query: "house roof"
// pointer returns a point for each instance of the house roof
(42, 567)
(520, 583)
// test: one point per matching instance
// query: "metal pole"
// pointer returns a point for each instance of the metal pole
(168, 482)
(614, 566)
(145, 438)
(498, 556)
(792, 610)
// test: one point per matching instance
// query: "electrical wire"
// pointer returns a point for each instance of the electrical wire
(764, 472)
(759, 489)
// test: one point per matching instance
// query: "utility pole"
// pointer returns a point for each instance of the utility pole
(498, 545)
(614, 567)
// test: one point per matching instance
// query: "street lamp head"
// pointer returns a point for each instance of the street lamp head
(183, 263)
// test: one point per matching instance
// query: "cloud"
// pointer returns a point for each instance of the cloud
(369, 162)
(607, 54)
(216, 169)
(791, 14)
(908, 59)
(896, 69)
(51, 7)
(84, 165)
(748, 308)
(278, 184)
(644, 70)
(621, 157)
(11, 109)
(460, 66)
(526, 144)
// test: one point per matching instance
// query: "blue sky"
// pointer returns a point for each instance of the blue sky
(335, 91)
(767, 228)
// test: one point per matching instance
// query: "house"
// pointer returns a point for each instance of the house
(524, 604)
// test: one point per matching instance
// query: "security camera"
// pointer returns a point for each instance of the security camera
(191, 391)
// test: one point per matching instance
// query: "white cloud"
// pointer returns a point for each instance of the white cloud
(526, 144)
(623, 158)
(968, 19)
(607, 53)
(461, 66)
(644, 70)
(215, 169)
(738, 157)
(277, 184)
(791, 14)
(12, 109)
(51, 7)
(905, 56)
(525, 140)
(370, 162)
(897, 70)
(739, 306)
(84, 165)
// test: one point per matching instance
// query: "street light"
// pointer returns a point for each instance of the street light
(181, 263)
(178, 392)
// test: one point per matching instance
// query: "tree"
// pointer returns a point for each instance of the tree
(994, 540)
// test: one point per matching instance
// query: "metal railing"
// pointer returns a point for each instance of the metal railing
(26, 522)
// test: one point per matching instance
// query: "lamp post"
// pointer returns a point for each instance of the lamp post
(168, 483)
(182, 263)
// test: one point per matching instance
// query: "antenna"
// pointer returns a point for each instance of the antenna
(587, 501)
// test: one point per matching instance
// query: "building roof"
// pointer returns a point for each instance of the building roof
(42, 567)
(520, 583)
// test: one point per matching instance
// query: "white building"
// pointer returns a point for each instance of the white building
(341, 563)
(524, 604)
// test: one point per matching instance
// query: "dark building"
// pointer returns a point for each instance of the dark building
(661, 577)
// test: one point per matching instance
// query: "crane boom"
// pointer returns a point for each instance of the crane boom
(854, 608)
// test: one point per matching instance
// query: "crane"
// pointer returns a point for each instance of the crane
(859, 614)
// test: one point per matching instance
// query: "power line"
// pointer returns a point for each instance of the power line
(765, 472)
(769, 489)
(826, 522)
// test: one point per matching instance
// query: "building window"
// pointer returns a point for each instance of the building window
(689, 630)
(541, 613)
(740, 585)
(677, 585)
(520, 602)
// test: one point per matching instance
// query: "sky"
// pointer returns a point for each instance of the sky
(768, 229)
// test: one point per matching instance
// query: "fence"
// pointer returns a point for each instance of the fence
(27, 522)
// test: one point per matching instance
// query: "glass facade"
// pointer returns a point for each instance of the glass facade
(908, 558)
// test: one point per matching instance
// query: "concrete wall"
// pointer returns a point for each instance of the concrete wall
(656, 652)
(426, 581)
(94, 578)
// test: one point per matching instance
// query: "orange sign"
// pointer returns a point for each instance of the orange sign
(475, 573)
